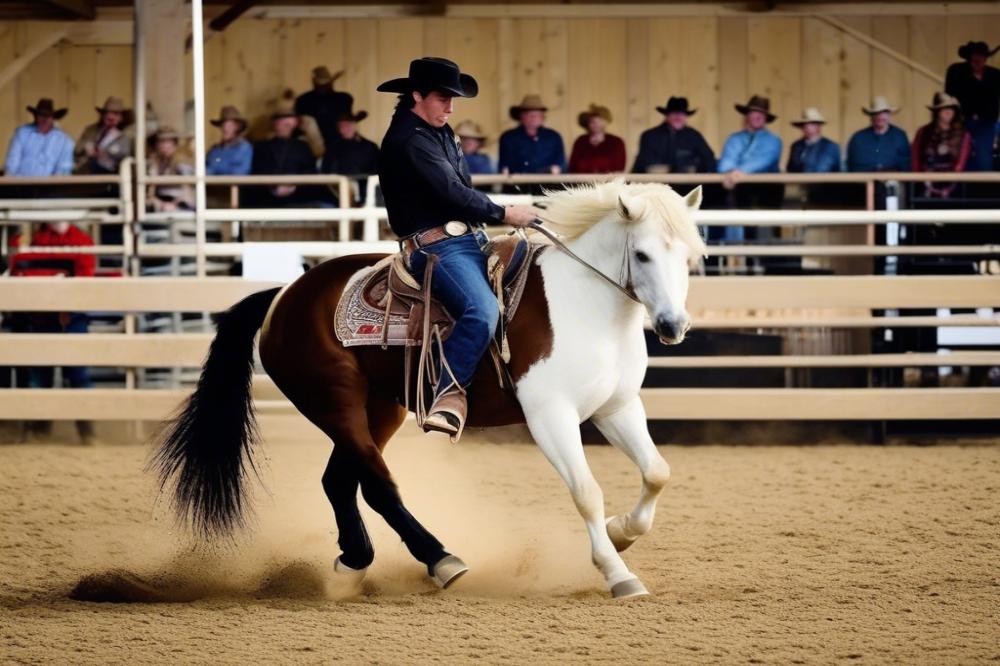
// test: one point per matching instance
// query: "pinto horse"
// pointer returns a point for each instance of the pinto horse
(577, 351)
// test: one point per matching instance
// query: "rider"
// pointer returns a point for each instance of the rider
(434, 209)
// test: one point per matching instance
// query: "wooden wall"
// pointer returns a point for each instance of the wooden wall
(630, 65)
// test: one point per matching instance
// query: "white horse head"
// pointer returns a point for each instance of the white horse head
(647, 228)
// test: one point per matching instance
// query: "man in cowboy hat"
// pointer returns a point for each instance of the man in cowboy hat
(434, 209)
(977, 87)
(597, 151)
(233, 155)
(40, 148)
(530, 147)
(103, 145)
(672, 146)
(472, 139)
(351, 154)
(882, 146)
(754, 149)
(282, 154)
(814, 153)
(324, 103)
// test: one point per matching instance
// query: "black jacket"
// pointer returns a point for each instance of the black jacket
(684, 151)
(351, 157)
(282, 156)
(980, 98)
(425, 180)
(325, 106)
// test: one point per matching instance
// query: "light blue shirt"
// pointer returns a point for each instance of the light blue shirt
(229, 160)
(751, 152)
(32, 153)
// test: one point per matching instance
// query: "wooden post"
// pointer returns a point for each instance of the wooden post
(164, 24)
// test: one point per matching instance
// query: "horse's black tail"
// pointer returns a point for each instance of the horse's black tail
(209, 446)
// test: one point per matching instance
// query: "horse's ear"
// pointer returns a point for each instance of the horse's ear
(623, 209)
(693, 198)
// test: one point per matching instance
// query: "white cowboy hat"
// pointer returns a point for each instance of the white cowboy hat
(878, 105)
(810, 115)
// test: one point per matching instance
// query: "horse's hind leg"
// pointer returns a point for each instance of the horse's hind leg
(626, 429)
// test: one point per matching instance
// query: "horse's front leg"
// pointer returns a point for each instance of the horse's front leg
(556, 430)
(626, 429)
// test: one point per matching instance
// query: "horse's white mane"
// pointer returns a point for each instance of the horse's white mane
(573, 211)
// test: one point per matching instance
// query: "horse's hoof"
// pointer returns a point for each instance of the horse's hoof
(615, 526)
(348, 574)
(448, 570)
(631, 587)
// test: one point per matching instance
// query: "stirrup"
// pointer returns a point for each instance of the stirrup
(448, 413)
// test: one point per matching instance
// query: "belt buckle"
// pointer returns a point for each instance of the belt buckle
(454, 229)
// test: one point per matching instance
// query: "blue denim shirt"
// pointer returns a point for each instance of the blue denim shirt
(479, 163)
(869, 151)
(520, 153)
(751, 152)
(32, 153)
(233, 159)
(822, 156)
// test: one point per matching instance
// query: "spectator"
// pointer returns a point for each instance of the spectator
(167, 161)
(40, 148)
(672, 146)
(880, 147)
(597, 151)
(103, 145)
(233, 155)
(351, 154)
(814, 153)
(283, 154)
(754, 149)
(324, 103)
(530, 147)
(942, 145)
(41, 264)
(977, 88)
(472, 139)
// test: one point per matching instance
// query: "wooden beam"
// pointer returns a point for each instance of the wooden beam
(911, 360)
(233, 12)
(105, 349)
(18, 64)
(79, 8)
(879, 46)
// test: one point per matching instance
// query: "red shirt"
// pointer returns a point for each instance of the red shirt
(46, 236)
(606, 157)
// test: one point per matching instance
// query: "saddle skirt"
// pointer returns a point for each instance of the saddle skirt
(383, 304)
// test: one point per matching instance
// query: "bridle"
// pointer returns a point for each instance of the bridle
(625, 286)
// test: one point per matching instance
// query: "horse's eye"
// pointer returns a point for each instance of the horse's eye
(641, 257)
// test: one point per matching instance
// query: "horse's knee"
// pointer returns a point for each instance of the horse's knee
(657, 475)
(339, 480)
(588, 497)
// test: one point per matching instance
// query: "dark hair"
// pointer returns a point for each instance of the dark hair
(406, 101)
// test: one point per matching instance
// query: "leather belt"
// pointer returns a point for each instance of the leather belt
(421, 239)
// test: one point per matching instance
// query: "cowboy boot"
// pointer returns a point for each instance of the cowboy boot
(448, 413)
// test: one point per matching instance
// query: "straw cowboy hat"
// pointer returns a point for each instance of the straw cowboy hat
(878, 105)
(810, 115)
(165, 132)
(230, 113)
(757, 103)
(594, 110)
(529, 103)
(46, 107)
(943, 100)
(321, 75)
(114, 104)
(284, 108)
(677, 104)
(970, 49)
(438, 74)
(470, 130)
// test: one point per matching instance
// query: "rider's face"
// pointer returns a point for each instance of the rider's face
(434, 108)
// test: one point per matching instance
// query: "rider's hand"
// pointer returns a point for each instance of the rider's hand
(520, 216)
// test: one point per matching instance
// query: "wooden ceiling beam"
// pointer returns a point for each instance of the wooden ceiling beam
(79, 8)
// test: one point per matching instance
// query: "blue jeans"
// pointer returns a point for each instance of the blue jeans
(983, 134)
(461, 285)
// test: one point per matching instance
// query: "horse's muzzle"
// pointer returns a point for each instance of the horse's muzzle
(671, 330)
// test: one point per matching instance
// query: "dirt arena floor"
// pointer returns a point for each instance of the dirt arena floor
(777, 555)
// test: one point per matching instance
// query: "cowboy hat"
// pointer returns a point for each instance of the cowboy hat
(972, 48)
(321, 75)
(437, 74)
(46, 107)
(810, 115)
(230, 113)
(943, 100)
(878, 105)
(114, 104)
(594, 110)
(757, 103)
(165, 132)
(470, 130)
(529, 103)
(677, 104)
(284, 108)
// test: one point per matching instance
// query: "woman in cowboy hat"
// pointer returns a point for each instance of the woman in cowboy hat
(672, 146)
(433, 207)
(597, 151)
(166, 160)
(976, 86)
(40, 148)
(882, 146)
(233, 155)
(103, 145)
(530, 147)
(472, 139)
(942, 144)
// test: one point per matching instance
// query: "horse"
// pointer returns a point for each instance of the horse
(577, 351)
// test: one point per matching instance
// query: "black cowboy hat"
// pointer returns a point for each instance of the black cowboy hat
(437, 74)
(348, 114)
(677, 104)
(972, 48)
(757, 103)
(46, 107)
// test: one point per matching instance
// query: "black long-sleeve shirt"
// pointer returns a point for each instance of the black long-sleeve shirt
(424, 179)
(684, 150)
(980, 98)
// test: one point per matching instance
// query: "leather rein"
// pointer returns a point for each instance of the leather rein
(627, 289)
